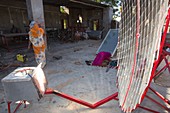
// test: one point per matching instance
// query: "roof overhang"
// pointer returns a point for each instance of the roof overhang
(76, 3)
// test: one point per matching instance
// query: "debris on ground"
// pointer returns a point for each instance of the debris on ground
(4, 67)
(78, 49)
(22, 57)
(111, 64)
(57, 57)
(88, 62)
(78, 63)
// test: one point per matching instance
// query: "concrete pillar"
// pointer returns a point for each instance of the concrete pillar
(107, 18)
(36, 12)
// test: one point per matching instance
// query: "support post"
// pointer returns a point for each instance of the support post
(36, 12)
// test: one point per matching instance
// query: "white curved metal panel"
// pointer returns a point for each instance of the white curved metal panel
(136, 56)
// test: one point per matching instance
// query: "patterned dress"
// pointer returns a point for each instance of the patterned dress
(36, 38)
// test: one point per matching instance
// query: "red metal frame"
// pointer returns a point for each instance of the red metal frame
(163, 57)
(160, 96)
(17, 107)
(93, 106)
(107, 99)
(148, 109)
(158, 103)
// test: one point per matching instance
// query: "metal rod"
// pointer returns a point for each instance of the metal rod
(167, 45)
(9, 107)
(17, 107)
(103, 101)
(147, 109)
(160, 96)
(166, 61)
(161, 70)
(166, 52)
(153, 100)
(25, 104)
(107, 99)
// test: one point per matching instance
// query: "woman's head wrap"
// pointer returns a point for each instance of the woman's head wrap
(32, 24)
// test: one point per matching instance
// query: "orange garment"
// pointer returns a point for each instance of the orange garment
(38, 49)
(36, 38)
(36, 31)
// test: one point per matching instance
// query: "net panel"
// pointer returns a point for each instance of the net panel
(136, 56)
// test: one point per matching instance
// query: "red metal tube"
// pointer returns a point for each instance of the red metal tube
(74, 99)
(166, 52)
(49, 91)
(160, 96)
(153, 100)
(167, 45)
(147, 109)
(9, 107)
(166, 61)
(107, 99)
(103, 101)
(161, 70)
(25, 104)
(17, 107)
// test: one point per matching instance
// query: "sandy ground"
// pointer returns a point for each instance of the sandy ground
(71, 75)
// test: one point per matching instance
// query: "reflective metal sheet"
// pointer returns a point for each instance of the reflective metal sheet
(135, 60)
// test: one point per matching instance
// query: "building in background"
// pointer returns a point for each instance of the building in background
(58, 14)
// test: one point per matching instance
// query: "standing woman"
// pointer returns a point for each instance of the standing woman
(36, 38)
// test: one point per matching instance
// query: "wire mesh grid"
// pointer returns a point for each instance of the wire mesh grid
(136, 56)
